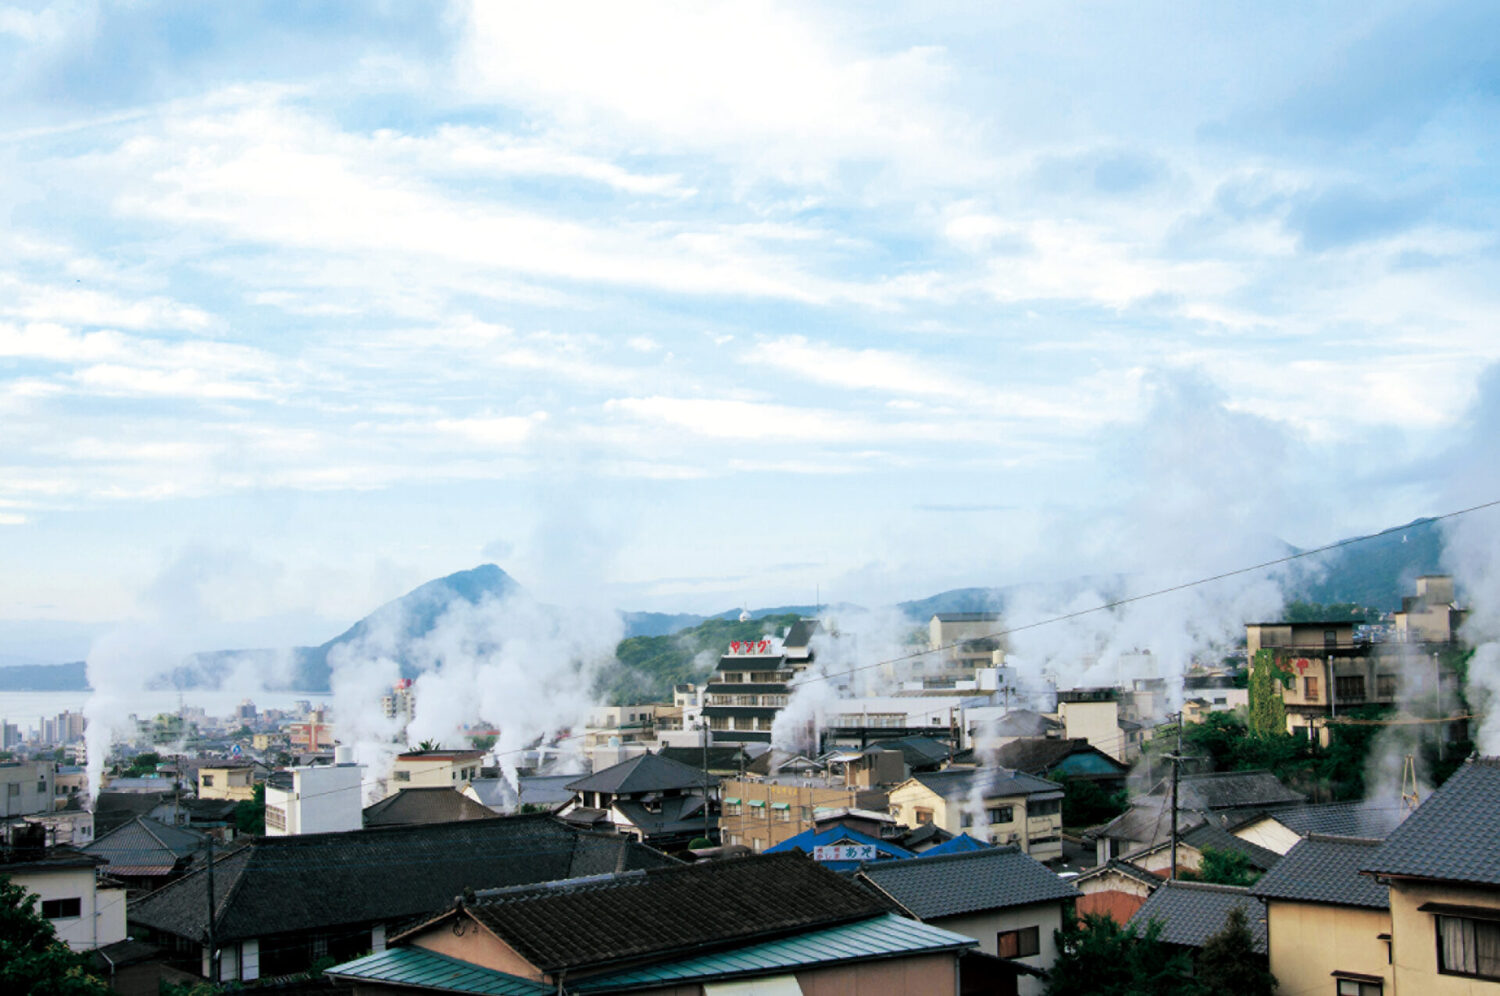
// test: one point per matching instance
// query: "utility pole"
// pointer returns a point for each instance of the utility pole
(706, 835)
(213, 948)
(1176, 764)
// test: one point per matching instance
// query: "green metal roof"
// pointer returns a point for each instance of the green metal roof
(885, 936)
(414, 966)
(781, 805)
(732, 800)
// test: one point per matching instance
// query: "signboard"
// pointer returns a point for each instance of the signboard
(844, 852)
(750, 647)
(1301, 664)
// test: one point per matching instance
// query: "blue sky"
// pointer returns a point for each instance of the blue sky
(688, 306)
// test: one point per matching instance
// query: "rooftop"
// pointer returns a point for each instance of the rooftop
(424, 805)
(967, 882)
(1452, 834)
(993, 782)
(1229, 790)
(646, 773)
(1192, 912)
(146, 847)
(1325, 870)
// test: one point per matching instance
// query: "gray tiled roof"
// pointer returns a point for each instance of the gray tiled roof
(145, 847)
(1192, 912)
(1341, 819)
(1211, 835)
(1229, 790)
(1325, 870)
(966, 882)
(955, 783)
(1452, 835)
(647, 773)
(440, 804)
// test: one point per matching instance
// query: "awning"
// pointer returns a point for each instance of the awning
(781, 805)
(757, 802)
(730, 800)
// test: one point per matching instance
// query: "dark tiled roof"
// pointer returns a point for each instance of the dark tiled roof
(1341, 819)
(275, 885)
(962, 617)
(1229, 790)
(1023, 723)
(145, 847)
(677, 816)
(425, 805)
(113, 809)
(1211, 835)
(719, 758)
(1039, 755)
(955, 783)
(543, 790)
(670, 910)
(52, 857)
(801, 632)
(1452, 834)
(917, 752)
(1325, 870)
(988, 879)
(1192, 912)
(1126, 868)
(647, 773)
(923, 834)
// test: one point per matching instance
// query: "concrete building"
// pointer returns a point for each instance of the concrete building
(1432, 615)
(84, 914)
(760, 813)
(312, 734)
(400, 703)
(231, 780)
(436, 769)
(320, 799)
(747, 690)
(27, 787)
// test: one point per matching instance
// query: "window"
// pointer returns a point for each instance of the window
(1047, 807)
(13, 789)
(1349, 688)
(208, 780)
(1309, 688)
(403, 776)
(1358, 987)
(1468, 947)
(1018, 943)
(61, 909)
(1001, 814)
(1385, 686)
(924, 816)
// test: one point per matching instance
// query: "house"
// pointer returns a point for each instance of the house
(1193, 841)
(285, 902)
(435, 769)
(652, 798)
(842, 848)
(1442, 866)
(26, 787)
(424, 805)
(1115, 889)
(1192, 912)
(1093, 714)
(1225, 797)
(497, 795)
(724, 760)
(998, 804)
(1324, 920)
(1432, 616)
(86, 913)
(1282, 829)
(1058, 758)
(1007, 901)
(227, 780)
(146, 854)
(775, 923)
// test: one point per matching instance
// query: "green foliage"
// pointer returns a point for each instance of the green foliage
(250, 814)
(648, 666)
(32, 959)
(1085, 804)
(143, 764)
(1227, 962)
(1098, 957)
(484, 742)
(698, 843)
(1225, 867)
(1298, 611)
(1267, 711)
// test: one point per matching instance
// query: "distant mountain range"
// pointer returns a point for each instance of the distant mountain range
(1376, 572)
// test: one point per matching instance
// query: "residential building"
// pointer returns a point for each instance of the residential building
(652, 798)
(86, 913)
(1432, 615)
(285, 902)
(858, 723)
(228, 780)
(1058, 758)
(324, 798)
(1195, 837)
(995, 804)
(1192, 912)
(770, 924)
(1093, 714)
(747, 690)
(27, 787)
(312, 734)
(435, 769)
(1115, 889)
(1226, 798)
(1284, 828)
(1007, 901)
(425, 805)
(760, 812)
(1443, 869)
(1324, 920)
(400, 703)
(964, 641)
(146, 854)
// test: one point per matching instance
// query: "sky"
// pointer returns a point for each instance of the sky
(689, 306)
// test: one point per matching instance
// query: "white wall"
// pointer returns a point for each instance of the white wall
(101, 913)
(984, 927)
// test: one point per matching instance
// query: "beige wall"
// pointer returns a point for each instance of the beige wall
(760, 827)
(1096, 722)
(1414, 939)
(101, 918)
(1308, 943)
(1269, 834)
(984, 928)
(911, 796)
(478, 947)
(930, 975)
(237, 784)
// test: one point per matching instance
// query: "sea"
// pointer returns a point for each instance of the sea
(26, 709)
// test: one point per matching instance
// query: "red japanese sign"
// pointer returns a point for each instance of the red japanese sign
(750, 647)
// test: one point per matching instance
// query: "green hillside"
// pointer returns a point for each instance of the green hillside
(648, 666)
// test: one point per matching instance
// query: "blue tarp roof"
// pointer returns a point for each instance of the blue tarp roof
(840, 834)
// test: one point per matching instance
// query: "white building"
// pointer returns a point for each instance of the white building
(84, 915)
(318, 799)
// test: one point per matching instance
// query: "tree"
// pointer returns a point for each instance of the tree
(1227, 962)
(1098, 957)
(483, 743)
(1085, 804)
(1224, 867)
(1267, 710)
(250, 814)
(32, 959)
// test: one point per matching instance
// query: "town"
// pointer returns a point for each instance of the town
(1226, 824)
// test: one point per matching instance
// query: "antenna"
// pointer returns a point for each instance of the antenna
(1409, 797)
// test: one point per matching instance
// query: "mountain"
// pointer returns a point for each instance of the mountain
(43, 678)
(1377, 572)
